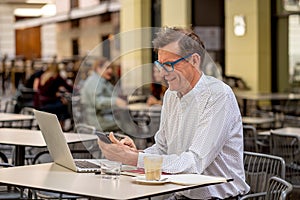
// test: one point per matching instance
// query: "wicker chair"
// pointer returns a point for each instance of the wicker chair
(260, 167)
(277, 189)
(288, 147)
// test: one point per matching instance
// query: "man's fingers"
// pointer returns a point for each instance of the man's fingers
(128, 142)
(112, 138)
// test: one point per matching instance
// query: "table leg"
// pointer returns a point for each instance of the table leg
(244, 107)
(19, 155)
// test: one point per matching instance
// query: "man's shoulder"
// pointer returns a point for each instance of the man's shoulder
(214, 85)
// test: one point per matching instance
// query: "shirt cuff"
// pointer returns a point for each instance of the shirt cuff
(140, 162)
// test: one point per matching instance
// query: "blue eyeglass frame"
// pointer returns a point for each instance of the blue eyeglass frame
(160, 65)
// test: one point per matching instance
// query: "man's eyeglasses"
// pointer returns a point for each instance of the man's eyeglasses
(169, 66)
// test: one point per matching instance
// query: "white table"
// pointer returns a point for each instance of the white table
(246, 96)
(52, 177)
(33, 138)
(286, 130)
(11, 117)
(257, 120)
(144, 107)
(267, 96)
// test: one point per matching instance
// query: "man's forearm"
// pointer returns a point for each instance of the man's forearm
(130, 158)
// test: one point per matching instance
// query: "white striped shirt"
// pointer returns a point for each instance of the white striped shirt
(201, 132)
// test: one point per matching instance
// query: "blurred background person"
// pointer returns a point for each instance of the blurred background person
(158, 88)
(50, 88)
(97, 99)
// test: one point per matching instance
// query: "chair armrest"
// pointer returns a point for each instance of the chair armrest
(3, 157)
(253, 196)
(261, 143)
(6, 165)
(38, 155)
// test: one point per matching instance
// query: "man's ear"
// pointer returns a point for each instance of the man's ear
(196, 60)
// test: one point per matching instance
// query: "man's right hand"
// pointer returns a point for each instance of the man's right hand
(121, 103)
(119, 151)
(125, 141)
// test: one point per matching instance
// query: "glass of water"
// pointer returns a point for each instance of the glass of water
(110, 169)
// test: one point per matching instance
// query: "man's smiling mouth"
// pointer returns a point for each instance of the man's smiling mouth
(171, 79)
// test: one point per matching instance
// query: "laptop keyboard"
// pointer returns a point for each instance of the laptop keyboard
(85, 164)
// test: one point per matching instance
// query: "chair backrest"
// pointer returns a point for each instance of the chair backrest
(3, 158)
(278, 188)
(88, 148)
(28, 124)
(287, 147)
(10, 106)
(9, 192)
(140, 126)
(250, 138)
(260, 167)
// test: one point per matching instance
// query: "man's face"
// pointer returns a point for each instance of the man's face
(106, 72)
(180, 79)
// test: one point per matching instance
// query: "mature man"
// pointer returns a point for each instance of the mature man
(201, 128)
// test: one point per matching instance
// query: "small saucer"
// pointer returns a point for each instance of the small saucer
(142, 179)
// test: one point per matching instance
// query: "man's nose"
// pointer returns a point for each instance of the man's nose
(163, 73)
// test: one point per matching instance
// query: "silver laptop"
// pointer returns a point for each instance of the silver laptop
(57, 144)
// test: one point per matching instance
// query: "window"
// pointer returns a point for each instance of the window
(105, 17)
(104, 1)
(74, 23)
(75, 47)
(106, 46)
(74, 4)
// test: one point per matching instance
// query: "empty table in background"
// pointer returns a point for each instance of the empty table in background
(33, 138)
(250, 96)
(286, 130)
(258, 120)
(11, 117)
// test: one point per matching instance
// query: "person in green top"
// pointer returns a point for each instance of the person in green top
(97, 97)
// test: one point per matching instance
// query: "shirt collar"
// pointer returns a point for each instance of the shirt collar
(190, 95)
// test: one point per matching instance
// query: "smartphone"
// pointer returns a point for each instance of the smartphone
(103, 137)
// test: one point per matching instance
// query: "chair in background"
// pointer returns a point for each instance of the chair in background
(8, 192)
(53, 195)
(2, 105)
(141, 126)
(288, 147)
(28, 124)
(88, 149)
(3, 158)
(8, 106)
(291, 113)
(276, 189)
(24, 97)
(259, 168)
(250, 138)
(6, 152)
(252, 141)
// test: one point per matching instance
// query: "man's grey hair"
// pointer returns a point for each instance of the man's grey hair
(188, 41)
